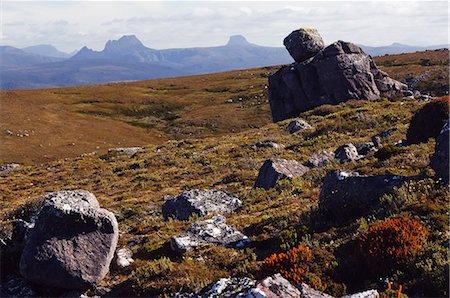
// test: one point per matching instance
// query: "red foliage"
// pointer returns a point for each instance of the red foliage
(292, 265)
(427, 122)
(393, 241)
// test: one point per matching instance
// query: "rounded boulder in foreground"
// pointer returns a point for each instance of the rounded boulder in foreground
(72, 243)
(303, 44)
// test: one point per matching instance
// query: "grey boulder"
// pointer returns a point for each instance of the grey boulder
(266, 144)
(298, 125)
(347, 152)
(308, 292)
(440, 159)
(274, 286)
(72, 243)
(200, 202)
(303, 44)
(212, 231)
(7, 168)
(274, 170)
(320, 159)
(347, 195)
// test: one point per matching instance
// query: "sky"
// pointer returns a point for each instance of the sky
(70, 25)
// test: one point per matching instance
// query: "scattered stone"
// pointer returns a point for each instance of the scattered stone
(408, 93)
(308, 292)
(425, 97)
(124, 257)
(266, 144)
(347, 152)
(227, 287)
(365, 148)
(7, 168)
(320, 160)
(386, 133)
(213, 231)
(276, 169)
(72, 243)
(339, 72)
(297, 125)
(273, 286)
(201, 202)
(348, 195)
(440, 159)
(130, 151)
(303, 44)
(365, 294)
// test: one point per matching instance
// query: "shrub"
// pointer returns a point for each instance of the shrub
(387, 151)
(392, 242)
(427, 122)
(292, 265)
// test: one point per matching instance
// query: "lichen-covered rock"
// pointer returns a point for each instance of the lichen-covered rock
(213, 231)
(274, 170)
(365, 294)
(274, 286)
(440, 159)
(7, 168)
(298, 125)
(72, 242)
(303, 44)
(124, 257)
(320, 159)
(200, 202)
(347, 195)
(339, 72)
(308, 292)
(347, 152)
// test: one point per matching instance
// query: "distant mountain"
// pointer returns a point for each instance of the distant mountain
(398, 48)
(128, 59)
(46, 50)
(11, 57)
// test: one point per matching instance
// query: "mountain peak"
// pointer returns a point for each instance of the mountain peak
(237, 40)
(126, 42)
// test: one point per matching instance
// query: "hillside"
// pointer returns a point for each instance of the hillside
(198, 133)
(75, 120)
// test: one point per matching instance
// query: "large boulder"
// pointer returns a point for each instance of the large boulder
(200, 202)
(274, 170)
(212, 231)
(427, 122)
(440, 160)
(303, 44)
(346, 195)
(72, 242)
(339, 72)
(347, 152)
(320, 159)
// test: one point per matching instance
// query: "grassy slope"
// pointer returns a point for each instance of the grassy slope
(134, 188)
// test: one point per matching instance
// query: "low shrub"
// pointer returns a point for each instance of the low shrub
(387, 151)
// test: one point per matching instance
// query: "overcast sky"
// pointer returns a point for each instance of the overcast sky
(69, 25)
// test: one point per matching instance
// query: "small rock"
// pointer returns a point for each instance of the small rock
(365, 148)
(72, 242)
(7, 168)
(201, 202)
(347, 152)
(297, 125)
(408, 93)
(303, 44)
(276, 169)
(266, 144)
(386, 133)
(308, 292)
(320, 160)
(213, 231)
(130, 151)
(365, 294)
(124, 257)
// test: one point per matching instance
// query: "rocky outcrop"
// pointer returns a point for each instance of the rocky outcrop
(347, 195)
(200, 202)
(298, 125)
(347, 152)
(337, 73)
(303, 44)
(72, 242)
(440, 159)
(274, 170)
(273, 287)
(320, 159)
(213, 231)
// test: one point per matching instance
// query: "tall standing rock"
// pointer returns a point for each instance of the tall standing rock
(440, 159)
(337, 73)
(72, 243)
(303, 44)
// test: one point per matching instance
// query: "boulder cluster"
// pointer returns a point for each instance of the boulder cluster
(325, 75)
